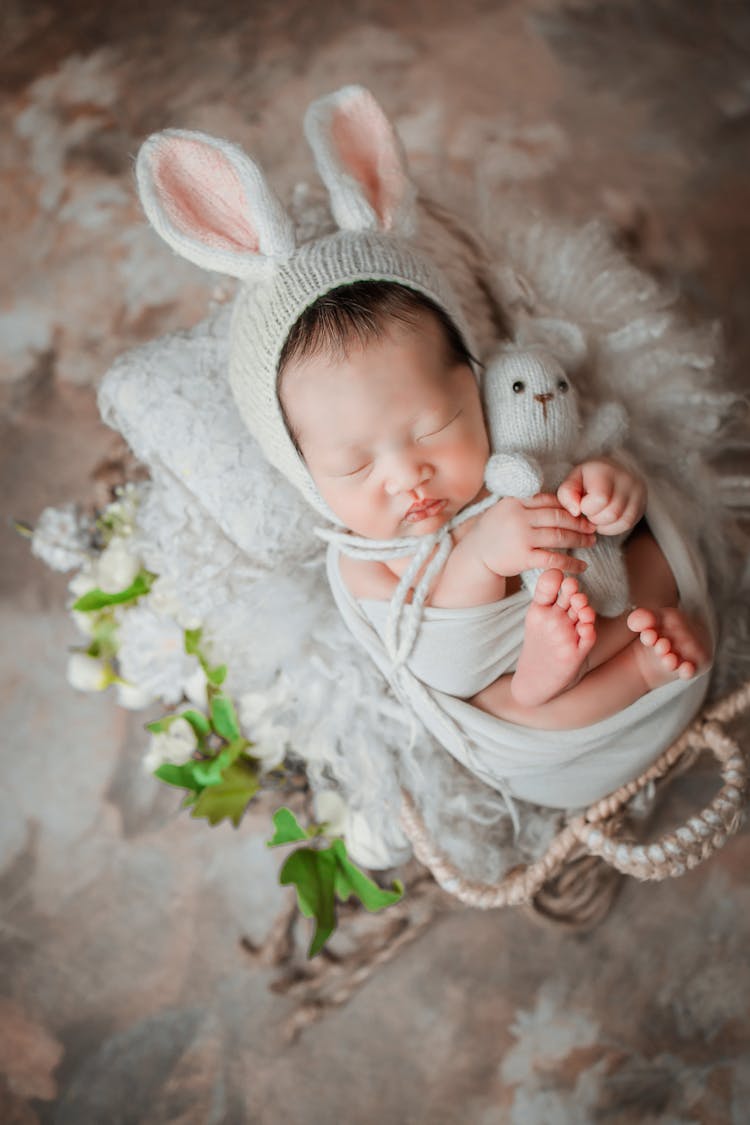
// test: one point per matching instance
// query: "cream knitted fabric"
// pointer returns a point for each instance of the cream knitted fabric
(534, 418)
(212, 204)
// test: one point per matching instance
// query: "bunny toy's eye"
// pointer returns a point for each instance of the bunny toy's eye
(518, 387)
(563, 386)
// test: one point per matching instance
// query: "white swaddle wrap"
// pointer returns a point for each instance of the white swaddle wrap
(557, 769)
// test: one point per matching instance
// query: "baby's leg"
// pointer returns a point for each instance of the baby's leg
(558, 636)
(670, 647)
(652, 586)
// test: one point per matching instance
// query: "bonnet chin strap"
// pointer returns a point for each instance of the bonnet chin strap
(404, 618)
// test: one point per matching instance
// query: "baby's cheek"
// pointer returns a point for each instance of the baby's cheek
(469, 466)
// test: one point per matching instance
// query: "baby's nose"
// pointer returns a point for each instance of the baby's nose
(406, 476)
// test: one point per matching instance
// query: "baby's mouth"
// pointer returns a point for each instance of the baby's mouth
(424, 510)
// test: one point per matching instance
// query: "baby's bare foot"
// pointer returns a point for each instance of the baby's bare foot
(558, 636)
(672, 645)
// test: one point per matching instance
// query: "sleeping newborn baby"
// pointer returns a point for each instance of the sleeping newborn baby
(379, 394)
(350, 365)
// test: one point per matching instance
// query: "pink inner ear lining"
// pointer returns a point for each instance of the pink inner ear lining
(203, 196)
(366, 148)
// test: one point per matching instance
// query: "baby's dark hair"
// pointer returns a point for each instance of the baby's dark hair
(361, 311)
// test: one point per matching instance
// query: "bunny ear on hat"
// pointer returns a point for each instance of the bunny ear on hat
(362, 163)
(211, 203)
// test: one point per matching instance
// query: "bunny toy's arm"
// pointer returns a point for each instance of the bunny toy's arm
(513, 474)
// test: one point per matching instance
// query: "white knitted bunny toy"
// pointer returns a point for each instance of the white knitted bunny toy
(536, 428)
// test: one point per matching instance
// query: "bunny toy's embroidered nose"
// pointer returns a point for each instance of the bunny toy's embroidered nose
(544, 399)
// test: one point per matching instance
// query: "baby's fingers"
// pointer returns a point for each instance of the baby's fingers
(595, 504)
(570, 492)
(550, 560)
(556, 517)
(621, 515)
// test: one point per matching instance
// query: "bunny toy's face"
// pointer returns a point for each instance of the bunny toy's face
(530, 405)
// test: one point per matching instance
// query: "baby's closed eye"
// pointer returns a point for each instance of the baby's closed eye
(439, 429)
(356, 472)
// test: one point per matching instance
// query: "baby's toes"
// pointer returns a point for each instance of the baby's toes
(548, 587)
(640, 620)
(686, 670)
(568, 591)
(662, 646)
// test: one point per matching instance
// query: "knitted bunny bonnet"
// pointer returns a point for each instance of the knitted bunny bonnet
(212, 204)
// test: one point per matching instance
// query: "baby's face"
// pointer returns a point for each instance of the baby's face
(393, 434)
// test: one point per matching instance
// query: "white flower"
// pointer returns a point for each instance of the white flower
(331, 810)
(85, 673)
(132, 698)
(82, 582)
(195, 688)
(86, 622)
(258, 711)
(269, 744)
(152, 654)
(163, 599)
(120, 514)
(116, 567)
(174, 746)
(61, 538)
(363, 843)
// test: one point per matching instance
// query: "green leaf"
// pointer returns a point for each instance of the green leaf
(288, 830)
(224, 718)
(97, 599)
(211, 771)
(313, 873)
(181, 776)
(198, 721)
(351, 881)
(192, 641)
(229, 799)
(158, 726)
(216, 675)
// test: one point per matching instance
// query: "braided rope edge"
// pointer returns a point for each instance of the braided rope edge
(672, 855)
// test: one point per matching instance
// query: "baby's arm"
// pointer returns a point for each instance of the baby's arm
(511, 536)
(612, 496)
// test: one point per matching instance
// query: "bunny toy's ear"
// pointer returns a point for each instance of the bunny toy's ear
(210, 202)
(362, 163)
(563, 338)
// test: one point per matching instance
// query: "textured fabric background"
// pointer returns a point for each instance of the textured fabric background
(124, 994)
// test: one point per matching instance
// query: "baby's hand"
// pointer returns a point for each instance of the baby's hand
(613, 498)
(532, 534)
